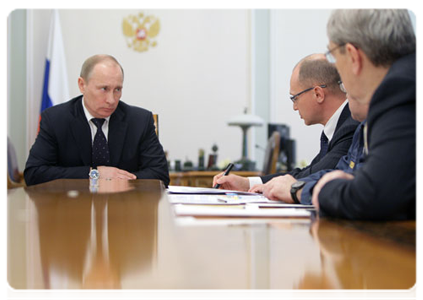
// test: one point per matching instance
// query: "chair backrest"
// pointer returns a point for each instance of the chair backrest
(156, 123)
(272, 153)
(14, 177)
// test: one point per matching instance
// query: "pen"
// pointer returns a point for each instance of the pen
(228, 169)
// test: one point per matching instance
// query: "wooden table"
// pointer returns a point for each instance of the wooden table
(202, 178)
(123, 235)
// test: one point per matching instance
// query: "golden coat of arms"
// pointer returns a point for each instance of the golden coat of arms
(140, 31)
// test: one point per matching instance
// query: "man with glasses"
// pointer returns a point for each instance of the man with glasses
(374, 52)
(316, 93)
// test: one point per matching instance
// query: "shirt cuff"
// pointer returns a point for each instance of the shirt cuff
(254, 181)
(307, 192)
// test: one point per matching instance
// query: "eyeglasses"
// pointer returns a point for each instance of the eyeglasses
(342, 87)
(294, 97)
(329, 55)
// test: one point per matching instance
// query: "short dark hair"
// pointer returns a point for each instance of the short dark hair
(92, 61)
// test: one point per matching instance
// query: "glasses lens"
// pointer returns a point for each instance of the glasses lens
(330, 57)
(342, 87)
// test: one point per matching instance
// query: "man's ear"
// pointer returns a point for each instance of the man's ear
(81, 84)
(356, 59)
(319, 94)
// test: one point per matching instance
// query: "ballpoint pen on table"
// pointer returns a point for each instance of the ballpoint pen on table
(227, 170)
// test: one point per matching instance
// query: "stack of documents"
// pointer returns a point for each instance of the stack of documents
(209, 202)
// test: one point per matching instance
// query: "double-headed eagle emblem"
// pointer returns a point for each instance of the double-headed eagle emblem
(140, 31)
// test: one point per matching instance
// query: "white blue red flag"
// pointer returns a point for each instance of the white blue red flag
(55, 86)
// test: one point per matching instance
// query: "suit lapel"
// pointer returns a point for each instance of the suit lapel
(81, 133)
(344, 115)
(117, 133)
(342, 118)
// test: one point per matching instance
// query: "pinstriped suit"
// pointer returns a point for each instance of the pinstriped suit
(338, 147)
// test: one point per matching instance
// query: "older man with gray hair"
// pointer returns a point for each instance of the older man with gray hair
(374, 52)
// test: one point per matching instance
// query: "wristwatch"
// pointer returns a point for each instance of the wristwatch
(94, 174)
(294, 189)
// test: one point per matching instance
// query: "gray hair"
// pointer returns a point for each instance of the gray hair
(384, 35)
(318, 71)
(92, 61)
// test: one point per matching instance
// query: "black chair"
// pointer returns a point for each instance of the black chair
(272, 153)
(156, 123)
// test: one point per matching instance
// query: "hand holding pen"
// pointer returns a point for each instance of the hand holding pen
(227, 170)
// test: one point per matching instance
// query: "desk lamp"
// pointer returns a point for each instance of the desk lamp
(245, 121)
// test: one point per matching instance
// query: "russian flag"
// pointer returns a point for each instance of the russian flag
(55, 86)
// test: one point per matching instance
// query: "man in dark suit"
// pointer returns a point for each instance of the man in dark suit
(374, 51)
(96, 134)
(317, 96)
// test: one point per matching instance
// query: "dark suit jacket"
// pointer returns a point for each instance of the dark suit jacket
(338, 147)
(63, 146)
(385, 186)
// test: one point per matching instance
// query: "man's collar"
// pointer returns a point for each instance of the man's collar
(330, 126)
(87, 113)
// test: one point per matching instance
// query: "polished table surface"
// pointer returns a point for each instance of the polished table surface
(66, 234)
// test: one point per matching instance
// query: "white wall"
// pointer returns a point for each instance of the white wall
(294, 35)
(38, 25)
(196, 78)
(202, 72)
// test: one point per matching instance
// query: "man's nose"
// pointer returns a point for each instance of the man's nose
(110, 98)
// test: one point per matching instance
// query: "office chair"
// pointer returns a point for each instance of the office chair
(156, 123)
(14, 177)
(271, 154)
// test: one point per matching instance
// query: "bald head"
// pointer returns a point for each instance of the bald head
(311, 57)
(316, 70)
(314, 82)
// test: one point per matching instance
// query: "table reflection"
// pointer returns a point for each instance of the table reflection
(92, 240)
(351, 259)
(124, 235)
(110, 185)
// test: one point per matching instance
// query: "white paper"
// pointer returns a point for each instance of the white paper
(249, 210)
(231, 200)
(284, 205)
(239, 199)
(194, 199)
(172, 189)
(188, 221)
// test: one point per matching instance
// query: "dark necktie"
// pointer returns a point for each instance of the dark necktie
(323, 144)
(101, 156)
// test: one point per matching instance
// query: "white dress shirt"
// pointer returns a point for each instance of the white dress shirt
(329, 130)
(93, 128)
